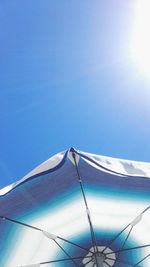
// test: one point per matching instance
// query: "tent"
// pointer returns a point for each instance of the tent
(77, 209)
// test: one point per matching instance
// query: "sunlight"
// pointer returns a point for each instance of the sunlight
(140, 44)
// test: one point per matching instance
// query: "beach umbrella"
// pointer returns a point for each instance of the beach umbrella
(77, 209)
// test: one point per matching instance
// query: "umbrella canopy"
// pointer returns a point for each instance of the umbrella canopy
(77, 209)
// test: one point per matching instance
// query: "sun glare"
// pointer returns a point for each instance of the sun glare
(140, 44)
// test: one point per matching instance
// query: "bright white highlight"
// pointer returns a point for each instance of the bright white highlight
(140, 44)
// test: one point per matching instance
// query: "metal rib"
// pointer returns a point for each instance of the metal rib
(66, 253)
(142, 260)
(146, 209)
(124, 262)
(93, 238)
(127, 237)
(87, 262)
(116, 237)
(117, 254)
(38, 229)
(107, 264)
(126, 249)
(61, 260)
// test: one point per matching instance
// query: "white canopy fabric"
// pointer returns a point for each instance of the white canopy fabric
(77, 209)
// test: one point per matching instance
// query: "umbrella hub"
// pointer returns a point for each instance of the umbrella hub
(101, 256)
(98, 258)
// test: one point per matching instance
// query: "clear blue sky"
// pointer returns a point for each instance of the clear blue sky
(67, 79)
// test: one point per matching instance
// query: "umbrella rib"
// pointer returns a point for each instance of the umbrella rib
(107, 264)
(38, 229)
(123, 230)
(61, 260)
(116, 237)
(126, 239)
(93, 238)
(124, 262)
(88, 262)
(142, 260)
(66, 253)
(146, 209)
(73, 258)
(126, 249)
(72, 243)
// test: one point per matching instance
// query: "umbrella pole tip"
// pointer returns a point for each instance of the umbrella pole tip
(72, 149)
